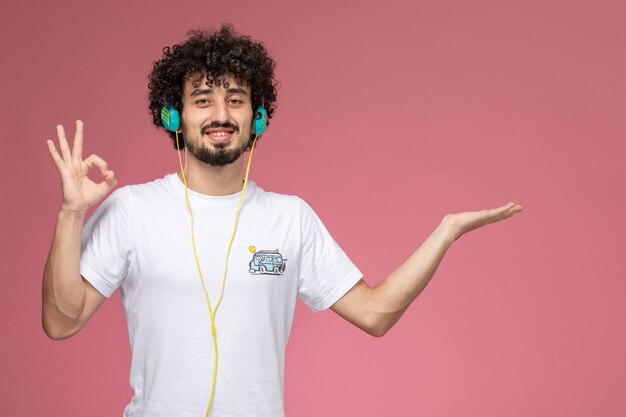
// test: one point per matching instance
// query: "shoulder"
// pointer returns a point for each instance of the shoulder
(156, 186)
(124, 199)
(148, 195)
(278, 200)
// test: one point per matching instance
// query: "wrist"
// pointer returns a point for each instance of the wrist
(449, 230)
(73, 215)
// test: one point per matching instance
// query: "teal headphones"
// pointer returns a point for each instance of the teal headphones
(171, 119)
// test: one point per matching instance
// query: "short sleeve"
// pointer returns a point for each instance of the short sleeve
(326, 273)
(106, 245)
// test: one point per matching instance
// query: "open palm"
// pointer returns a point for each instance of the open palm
(462, 223)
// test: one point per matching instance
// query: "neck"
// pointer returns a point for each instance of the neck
(214, 180)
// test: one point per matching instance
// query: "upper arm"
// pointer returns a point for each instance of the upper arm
(93, 301)
(354, 307)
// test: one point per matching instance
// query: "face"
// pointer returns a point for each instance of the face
(216, 121)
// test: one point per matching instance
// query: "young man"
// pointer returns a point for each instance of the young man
(205, 258)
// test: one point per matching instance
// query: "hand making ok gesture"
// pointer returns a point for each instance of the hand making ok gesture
(79, 191)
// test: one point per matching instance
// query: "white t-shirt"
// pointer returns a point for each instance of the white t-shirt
(139, 239)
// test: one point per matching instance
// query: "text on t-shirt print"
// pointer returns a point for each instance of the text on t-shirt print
(266, 262)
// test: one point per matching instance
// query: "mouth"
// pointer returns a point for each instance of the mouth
(219, 135)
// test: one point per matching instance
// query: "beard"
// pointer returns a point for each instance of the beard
(219, 156)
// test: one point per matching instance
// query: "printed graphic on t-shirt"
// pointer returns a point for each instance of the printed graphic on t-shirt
(267, 262)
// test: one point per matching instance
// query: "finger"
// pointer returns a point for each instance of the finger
(94, 160)
(496, 214)
(77, 150)
(65, 149)
(504, 208)
(110, 179)
(56, 158)
(108, 183)
(513, 208)
(508, 210)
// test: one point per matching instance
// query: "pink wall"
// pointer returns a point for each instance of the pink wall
(390, 116)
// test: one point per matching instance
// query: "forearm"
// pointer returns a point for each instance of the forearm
(63, 290)
(392, 297)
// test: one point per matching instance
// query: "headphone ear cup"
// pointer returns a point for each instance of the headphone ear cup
(260, 121)
(170, 118)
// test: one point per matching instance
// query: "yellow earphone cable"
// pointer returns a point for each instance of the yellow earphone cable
(195, 252)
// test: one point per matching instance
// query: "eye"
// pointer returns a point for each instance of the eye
(236, 101)
(202, 102)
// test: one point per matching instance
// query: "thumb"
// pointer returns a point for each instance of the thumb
(110, 179)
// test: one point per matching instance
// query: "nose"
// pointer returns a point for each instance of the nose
(221, 112)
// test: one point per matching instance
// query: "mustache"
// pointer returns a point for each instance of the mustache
(215, 125)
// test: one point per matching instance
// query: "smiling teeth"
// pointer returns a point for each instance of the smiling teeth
(219, 133)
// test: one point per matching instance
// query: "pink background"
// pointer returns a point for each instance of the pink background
(390, 115)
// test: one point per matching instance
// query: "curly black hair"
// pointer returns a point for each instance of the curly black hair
(214, 54)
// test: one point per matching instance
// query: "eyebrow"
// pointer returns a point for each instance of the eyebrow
(210, 90)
